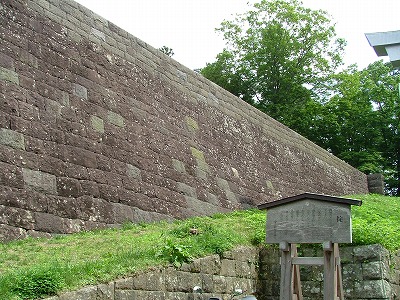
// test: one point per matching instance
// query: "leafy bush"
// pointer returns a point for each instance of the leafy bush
(175, 253)
(36, 283)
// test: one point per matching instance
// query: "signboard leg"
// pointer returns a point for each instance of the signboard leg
(286, 272)
(340, 294)
(329, 272)
(333, 288)
(290, 288)
(297, 293)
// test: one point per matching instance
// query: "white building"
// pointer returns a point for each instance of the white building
(386, 44)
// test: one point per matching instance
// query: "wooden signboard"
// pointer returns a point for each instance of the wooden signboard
(309, 218)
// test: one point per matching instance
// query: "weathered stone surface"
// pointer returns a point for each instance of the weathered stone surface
(228, 267)
(91, 114)
(106, 291)
(8, 233)
(69, 187)
(191, 124)
(375, 270)
(125, 295)
(369, 253)
(80, 91)
(49, 223)
(12, 139)
(16, 217)
(97, 124)
(178, 166)
(115, 119)
(9, 75)
(153, 281)
(186, 190)
(25, 199)
(210, 264)
(11, 176)
(87, 293)
(133, 171)
(40, 181)
(376, 289)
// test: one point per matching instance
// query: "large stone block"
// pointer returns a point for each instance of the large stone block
(16, 217)
(40, 181)
(178, 281)
(22, 198)
(370, 253)
(115, 119)
(49, 223)
(87, 293)
(228, 267)
(373, 289)
(220, 284)
(106, 291)
(97, 124)
(133, 171)
(186, 190)
(376, 270)
(9, 75)
(152, 281)
(124, 284)
(210, 264)
(125, 295)
(178, 165)
(8, 233)
(11, 176)
(69, 187)
(12, 139)
(80, 91)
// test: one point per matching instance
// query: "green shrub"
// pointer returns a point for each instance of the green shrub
(36, 283)
(175, 253)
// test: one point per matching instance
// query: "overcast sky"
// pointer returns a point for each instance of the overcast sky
(187, 26)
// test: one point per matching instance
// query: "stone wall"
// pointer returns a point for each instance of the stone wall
(217, 276)
(369, 272)
(98, 128)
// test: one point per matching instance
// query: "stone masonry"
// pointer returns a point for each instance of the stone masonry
(369, 272)
(98, 128)
(216, 276)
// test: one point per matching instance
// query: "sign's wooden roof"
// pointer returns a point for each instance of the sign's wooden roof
(312, 197)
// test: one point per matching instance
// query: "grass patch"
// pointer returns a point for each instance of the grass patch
(377, 221)
(33, 268)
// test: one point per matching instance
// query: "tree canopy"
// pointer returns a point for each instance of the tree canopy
(277, 57)
(360, 122)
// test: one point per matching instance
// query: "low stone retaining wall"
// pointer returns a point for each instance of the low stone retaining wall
(369, 272)
(217, 276)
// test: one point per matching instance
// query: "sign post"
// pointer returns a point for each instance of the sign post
(307, 219)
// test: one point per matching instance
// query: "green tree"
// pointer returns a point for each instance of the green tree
(277, 58)
(360, 122)
(381, 85)
(347, 126)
